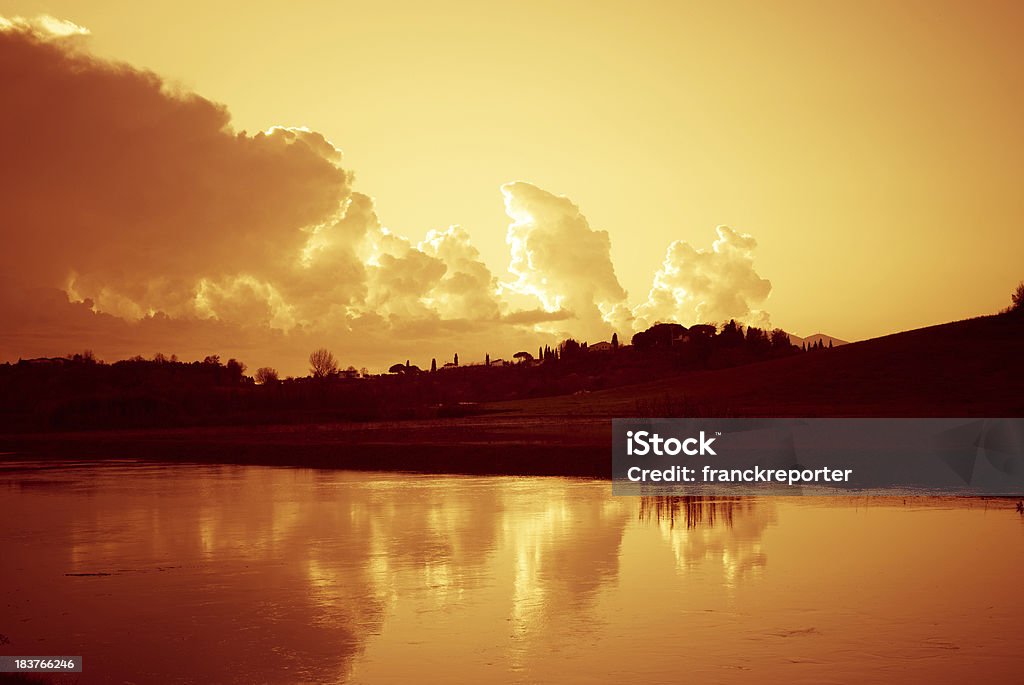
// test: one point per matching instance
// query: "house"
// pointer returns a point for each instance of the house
(601, 347)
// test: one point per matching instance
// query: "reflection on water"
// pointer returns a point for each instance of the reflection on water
(726, 530)
(248, 574)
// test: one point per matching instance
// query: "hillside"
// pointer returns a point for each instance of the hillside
(814, 338)
(967, 368)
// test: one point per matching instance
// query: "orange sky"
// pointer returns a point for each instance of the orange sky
(872, 150)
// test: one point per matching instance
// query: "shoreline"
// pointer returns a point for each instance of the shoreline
(578, 449)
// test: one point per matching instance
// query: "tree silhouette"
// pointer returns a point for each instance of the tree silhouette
(1017, 299)
(433, 365)
(660, 335)
(487, 359)
(235, 370)
(780, 339)
(266, 375)
(456, 359)
(615, 341)
(322, 363)
(732, 334)
(523, 356)
(569, 348)
(756, 338)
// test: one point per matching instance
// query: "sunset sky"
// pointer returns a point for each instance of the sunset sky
(865, 157)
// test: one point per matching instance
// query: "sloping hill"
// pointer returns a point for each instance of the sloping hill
(815, 337)
(967, 368)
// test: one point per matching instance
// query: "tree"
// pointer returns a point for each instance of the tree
(615, 341)
(433, 365)
(235, 370)
(569, 348)
(756, 337)
(780, 339)
(660, 335)
(1017, 299)
(265, 375)
(523, 356)
(731, 334)
(456, 359)
(398, 368)
(322, 363)
(487, 360)
(85, 357)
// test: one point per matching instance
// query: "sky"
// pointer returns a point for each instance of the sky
(848, 168)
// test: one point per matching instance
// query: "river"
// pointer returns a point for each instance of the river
(160, 573)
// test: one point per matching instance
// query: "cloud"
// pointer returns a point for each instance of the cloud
(44, 26)
(137, 219)
(467, 289)
(534, 316)
(559, 259)
(142, 200)
(699, 286)
(111, 175)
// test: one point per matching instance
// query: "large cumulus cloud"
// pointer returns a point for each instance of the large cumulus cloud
(559, 259)
(110, 174)
(698, 286)
(136, 220)
(138, 200)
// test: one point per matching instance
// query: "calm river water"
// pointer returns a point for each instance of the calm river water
(221, 574)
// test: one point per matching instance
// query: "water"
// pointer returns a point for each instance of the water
(210, 574)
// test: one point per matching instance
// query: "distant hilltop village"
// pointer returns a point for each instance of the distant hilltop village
(659, 337)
